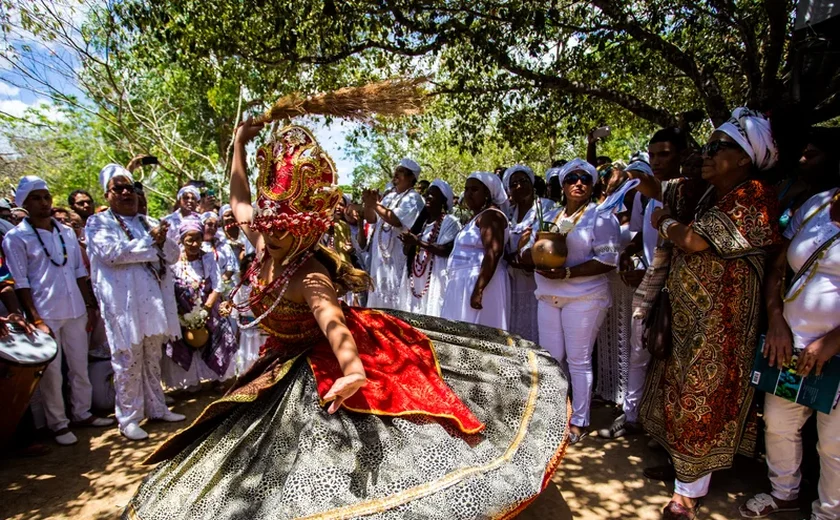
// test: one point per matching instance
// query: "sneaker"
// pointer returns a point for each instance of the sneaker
(134, 432)
(97, 422)
(65, 437)
(620, 427)
(171, 416)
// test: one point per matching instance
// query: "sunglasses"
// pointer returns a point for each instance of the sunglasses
(573, 178)
(122, 188)
(715, 147)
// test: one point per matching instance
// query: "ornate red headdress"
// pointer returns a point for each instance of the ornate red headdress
(297, 188)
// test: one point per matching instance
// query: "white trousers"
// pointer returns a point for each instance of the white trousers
(137, 381)
(639, 360)
(697, 489)
(783, 436)
(568, 329)
(72, 338)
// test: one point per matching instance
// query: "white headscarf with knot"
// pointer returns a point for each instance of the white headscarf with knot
(517, 168)
(577, 165)
(446, 189)
(110, 171)
(493, 184)
(751, 130)
(189, 189)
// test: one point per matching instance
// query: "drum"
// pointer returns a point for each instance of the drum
(23, 359)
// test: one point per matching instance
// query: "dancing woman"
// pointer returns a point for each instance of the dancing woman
(354, 412)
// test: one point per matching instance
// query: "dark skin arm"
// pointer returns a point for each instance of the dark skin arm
(90, 302)
(492, 225)
(681, 235)
(589, 268)
(818, 353)
(376, 210)
(443, 250)
(592, 150)
(25, 298)
(778, 344)
(15, 317)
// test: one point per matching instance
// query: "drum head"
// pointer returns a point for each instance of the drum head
(27, 349)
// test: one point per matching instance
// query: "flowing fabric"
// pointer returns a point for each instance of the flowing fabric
(269, 450)
(698, 402)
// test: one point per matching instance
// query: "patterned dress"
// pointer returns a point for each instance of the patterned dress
(698, 402)
(457, 421)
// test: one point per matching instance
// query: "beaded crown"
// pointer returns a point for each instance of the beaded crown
(296, 186)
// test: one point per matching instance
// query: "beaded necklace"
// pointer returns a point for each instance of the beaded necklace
(44, 246)
(161, 269)
(574, 219)
(258, 295)
(419, 266)
(386, 228)
(195, 282)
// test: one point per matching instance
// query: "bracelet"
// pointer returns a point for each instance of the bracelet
(662, 219)
(665, 226)
(568, 273)
(37, 322)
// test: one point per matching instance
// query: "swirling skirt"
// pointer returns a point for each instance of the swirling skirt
(282, 456)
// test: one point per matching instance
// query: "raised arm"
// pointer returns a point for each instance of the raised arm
(240, 190)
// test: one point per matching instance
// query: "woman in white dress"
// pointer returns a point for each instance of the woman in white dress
(423, 288)
(251, 337)
(394, 214)
(198, 284)
(806, 323)
(523, 213)
(478, 287)
(222, 252)
(574, 299)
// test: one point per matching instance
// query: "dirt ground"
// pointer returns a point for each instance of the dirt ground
(95, 478)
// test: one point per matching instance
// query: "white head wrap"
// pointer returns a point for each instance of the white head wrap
(208, 215)
(446, 189)
(189, 189)
(551, 173)
(110, 171)
(751, 130)
(493, 184)
(27, 185)
(577, 165)
(517, 168)
(347, 199)
(640, 166)
(224, 209)
(411, 166)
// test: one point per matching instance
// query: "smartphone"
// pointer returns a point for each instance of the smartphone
(600, 133)
(149, 159)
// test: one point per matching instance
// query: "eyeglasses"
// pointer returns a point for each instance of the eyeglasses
(520, 182)
(122, 188)
(713, 148)
(573, 178)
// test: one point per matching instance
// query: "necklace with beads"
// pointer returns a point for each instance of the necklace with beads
(194, 281)
(257, 295)
(566, 223)
(44, 246)
(161, 269)
(423, 261)
(385, 250)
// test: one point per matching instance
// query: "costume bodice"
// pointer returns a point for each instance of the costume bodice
(292, 323)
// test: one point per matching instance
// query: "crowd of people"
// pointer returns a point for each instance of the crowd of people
(576, 261)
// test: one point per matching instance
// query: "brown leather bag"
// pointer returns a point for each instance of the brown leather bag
(657, 336)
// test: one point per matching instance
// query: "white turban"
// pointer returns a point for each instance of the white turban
(27, 185)
(751, 130)
(208, 215)
(551, 173)
(446, 189)
(189, 189)
(110, 171)
(493, 184)
(410, 165)
(577, 165)
(517, 168)
(640, 166)
(224, 210)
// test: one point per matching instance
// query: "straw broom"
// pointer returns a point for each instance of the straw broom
(393, 97)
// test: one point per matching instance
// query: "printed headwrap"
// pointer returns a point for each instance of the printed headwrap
(751, 130)
(27, 185)
(189, 189)
(109, 171)
(191, 223)
(517, 168)
(446, 189)
(576, 165)
(493, 184)
(297, 189)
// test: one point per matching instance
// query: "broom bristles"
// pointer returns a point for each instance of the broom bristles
(393, 97)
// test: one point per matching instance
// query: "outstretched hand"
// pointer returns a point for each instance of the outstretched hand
(343, 388)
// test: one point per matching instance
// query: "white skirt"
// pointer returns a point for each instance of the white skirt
(250, 341)
(495, 301)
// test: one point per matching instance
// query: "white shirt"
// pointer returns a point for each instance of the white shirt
(640, 223)
(175, 218)
(816, 310)
(223, 255)
(201, 269)
(134, 304)
(596, 236)
(55, 291)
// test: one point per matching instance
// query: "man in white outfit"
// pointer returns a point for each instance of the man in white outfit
(46, 263)
(130, 255)
(395, 213)
(665, 149)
